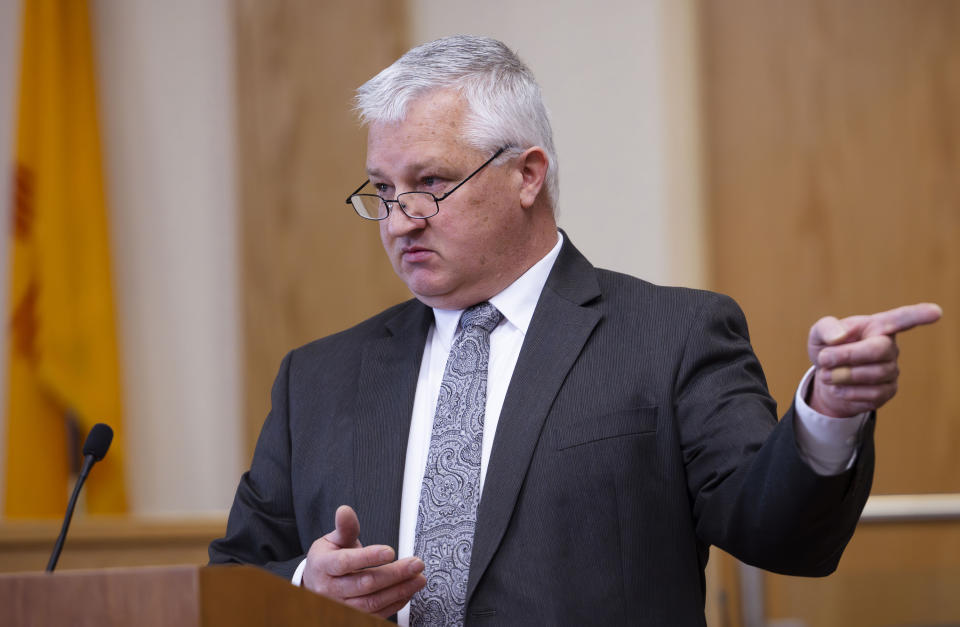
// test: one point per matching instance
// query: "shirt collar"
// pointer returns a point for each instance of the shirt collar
(516, 302)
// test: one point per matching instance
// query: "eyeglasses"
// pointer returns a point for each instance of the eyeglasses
(416, 205)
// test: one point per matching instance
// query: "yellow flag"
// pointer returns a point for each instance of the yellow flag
(63, 351)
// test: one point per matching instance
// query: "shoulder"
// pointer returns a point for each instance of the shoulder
(670, 302)
(574, 278)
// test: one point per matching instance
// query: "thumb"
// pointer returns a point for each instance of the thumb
(347, 530)
(825, 332)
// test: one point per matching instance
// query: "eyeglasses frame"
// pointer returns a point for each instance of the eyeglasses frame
(436, 201)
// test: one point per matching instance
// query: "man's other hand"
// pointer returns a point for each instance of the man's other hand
(856, 358)
(367, 578)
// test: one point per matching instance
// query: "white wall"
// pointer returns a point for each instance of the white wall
(619, 78)
(167, 114)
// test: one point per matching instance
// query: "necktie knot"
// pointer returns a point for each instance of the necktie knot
(483, 315)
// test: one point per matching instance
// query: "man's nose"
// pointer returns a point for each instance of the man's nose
(397, 223)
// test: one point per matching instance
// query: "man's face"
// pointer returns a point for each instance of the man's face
(473, 248)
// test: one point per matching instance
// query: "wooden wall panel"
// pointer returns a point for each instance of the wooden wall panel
(107, 542)
(898, 575)
(310, 266)
(832, 156)
(833, 160)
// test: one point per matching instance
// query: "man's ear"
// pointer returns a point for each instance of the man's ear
(533, 170)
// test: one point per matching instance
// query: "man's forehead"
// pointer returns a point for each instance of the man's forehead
(428, 136)
(436, 111)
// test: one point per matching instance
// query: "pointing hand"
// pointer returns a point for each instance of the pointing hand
(856, 358)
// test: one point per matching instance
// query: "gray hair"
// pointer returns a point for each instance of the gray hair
(505, 104)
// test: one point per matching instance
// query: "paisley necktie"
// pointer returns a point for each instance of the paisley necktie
(447, 514)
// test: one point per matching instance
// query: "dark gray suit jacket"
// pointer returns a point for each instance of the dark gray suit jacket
(637, 430)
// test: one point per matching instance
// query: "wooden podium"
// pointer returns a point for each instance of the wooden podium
(187, 596)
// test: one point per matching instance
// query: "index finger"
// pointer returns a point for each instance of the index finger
(902, 319)
(346, 561)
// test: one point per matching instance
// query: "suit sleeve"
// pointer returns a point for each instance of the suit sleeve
(752, 494)
(261, 528)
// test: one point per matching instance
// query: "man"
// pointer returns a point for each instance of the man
(543, 442)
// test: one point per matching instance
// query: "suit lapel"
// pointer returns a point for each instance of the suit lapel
(385, 391)
(558, 331)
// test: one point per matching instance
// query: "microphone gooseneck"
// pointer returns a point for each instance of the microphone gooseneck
(94, 449)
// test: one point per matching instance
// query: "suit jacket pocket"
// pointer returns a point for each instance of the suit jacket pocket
(585, 430)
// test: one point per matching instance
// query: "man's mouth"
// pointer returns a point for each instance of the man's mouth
(414, 254)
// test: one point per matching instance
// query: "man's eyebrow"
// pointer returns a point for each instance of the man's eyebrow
(419, 166)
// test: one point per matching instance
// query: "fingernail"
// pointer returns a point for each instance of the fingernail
(385, 554)
(825, 360)
(834, 333)
(416, 566)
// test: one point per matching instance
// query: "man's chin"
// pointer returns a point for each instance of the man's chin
(439, 301)
(427, 289)
(441, 292)
(440, 298)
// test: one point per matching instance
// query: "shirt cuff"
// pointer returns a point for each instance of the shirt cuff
(828, 445)
(297, 578)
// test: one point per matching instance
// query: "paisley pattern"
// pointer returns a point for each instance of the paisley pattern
(447, 513)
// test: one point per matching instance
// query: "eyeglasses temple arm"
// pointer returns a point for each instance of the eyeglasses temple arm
(348, 201)
(472, 174)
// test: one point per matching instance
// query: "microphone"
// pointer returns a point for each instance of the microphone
(94, 448)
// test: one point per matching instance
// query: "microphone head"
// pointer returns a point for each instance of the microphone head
(98, 441)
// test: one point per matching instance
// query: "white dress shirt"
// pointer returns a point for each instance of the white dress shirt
(827, 444)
